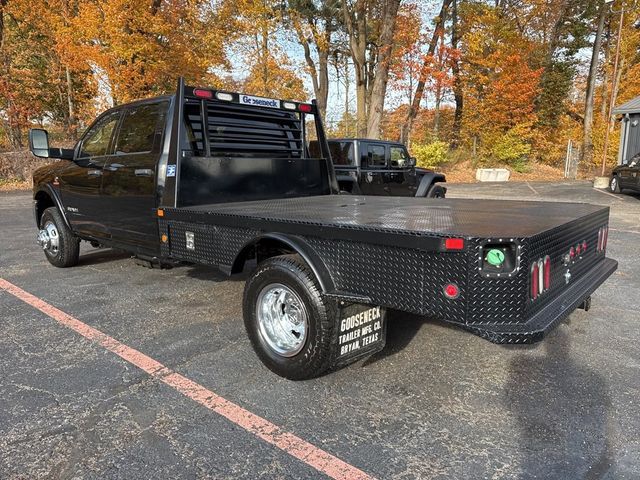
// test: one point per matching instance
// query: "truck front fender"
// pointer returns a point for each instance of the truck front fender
(293, 243)
(46, 197)
(428, 179)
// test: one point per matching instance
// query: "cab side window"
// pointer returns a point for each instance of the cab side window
(139, 128)
(376, 155)
(97, 140)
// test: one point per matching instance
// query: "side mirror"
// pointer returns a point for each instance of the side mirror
(411, 162)
(39, 142)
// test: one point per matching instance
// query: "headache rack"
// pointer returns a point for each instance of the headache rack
(229, 146)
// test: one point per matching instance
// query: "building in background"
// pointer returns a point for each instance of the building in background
(630, 134)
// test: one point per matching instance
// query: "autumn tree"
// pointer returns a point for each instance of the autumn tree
(370, 26)
(316, 23)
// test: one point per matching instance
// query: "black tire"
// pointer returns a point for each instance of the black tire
(436, 191)
(68, 251)
(614, 184)
(315, 355)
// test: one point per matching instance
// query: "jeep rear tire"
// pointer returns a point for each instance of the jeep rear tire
(288, 322)
(60, 245)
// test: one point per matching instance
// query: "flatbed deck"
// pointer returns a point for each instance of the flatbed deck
(400, 215)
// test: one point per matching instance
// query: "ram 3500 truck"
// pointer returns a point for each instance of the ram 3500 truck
(226, 179)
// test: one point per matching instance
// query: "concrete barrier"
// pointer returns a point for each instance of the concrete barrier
(601, 182)
(492, 175)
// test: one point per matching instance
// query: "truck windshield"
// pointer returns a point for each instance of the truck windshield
(234, 152)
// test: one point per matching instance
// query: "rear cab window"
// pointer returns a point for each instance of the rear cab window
(141, 128)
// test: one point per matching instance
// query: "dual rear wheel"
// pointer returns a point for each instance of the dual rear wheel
(288, 322)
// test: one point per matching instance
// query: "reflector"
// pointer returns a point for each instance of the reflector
(451, 290)
(305, 107)
(454, 243)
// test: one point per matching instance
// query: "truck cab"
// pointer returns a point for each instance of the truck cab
(381, 167)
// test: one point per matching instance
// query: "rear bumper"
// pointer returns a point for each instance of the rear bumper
(546, 319)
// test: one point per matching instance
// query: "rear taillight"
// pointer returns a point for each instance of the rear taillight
(603, 236)
(540, 277)
(534, 281)
(547, 272)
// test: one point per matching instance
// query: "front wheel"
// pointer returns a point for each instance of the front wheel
(614, 184)
(436, 191)
(60, 245)
(288, 322)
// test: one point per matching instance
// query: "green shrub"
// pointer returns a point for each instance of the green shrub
(513, 150)
(430, 154)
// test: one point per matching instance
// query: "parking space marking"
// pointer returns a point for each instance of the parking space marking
(269, 432)
(607, 193)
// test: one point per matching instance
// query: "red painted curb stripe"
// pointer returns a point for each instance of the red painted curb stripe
(293, 445)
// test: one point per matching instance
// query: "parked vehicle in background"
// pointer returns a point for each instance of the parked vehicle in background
(378, 167)
(626, 176)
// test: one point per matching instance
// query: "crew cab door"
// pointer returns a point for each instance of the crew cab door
(129, 182)
(81, 181)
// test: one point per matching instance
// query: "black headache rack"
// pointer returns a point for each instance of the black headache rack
(228, 146)
(405, 253)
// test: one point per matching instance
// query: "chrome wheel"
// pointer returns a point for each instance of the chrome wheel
(49, 239)
(282, 319)
(614, 184)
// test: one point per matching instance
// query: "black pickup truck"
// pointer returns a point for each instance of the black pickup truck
(366, 166)
(226, 179)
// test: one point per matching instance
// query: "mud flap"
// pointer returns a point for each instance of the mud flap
(360, 332)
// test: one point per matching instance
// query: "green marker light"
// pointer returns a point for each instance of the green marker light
(495, 257)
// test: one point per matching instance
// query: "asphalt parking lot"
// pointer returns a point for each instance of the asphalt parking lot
(436, 403)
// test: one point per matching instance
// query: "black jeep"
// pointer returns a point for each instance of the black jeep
(378, 167)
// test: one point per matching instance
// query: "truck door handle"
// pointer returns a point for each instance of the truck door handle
(144, 172)
(94, 173)
(113, 167)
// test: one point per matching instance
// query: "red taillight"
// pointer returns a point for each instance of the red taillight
(603, 236)
(454, 243)
(572, 253)
(451, 291)
(547, 272)
(198, 92)
(305, 107)
(534, 281)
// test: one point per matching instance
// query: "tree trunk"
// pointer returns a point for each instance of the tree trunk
(587, 125)
(357, 32)
(319, 72)
(405, 130)
(381, 73)
(71, 127)
(605, 70)
(457, 82)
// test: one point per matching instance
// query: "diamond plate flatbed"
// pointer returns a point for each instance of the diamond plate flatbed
(415, 216)
(391, 251)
